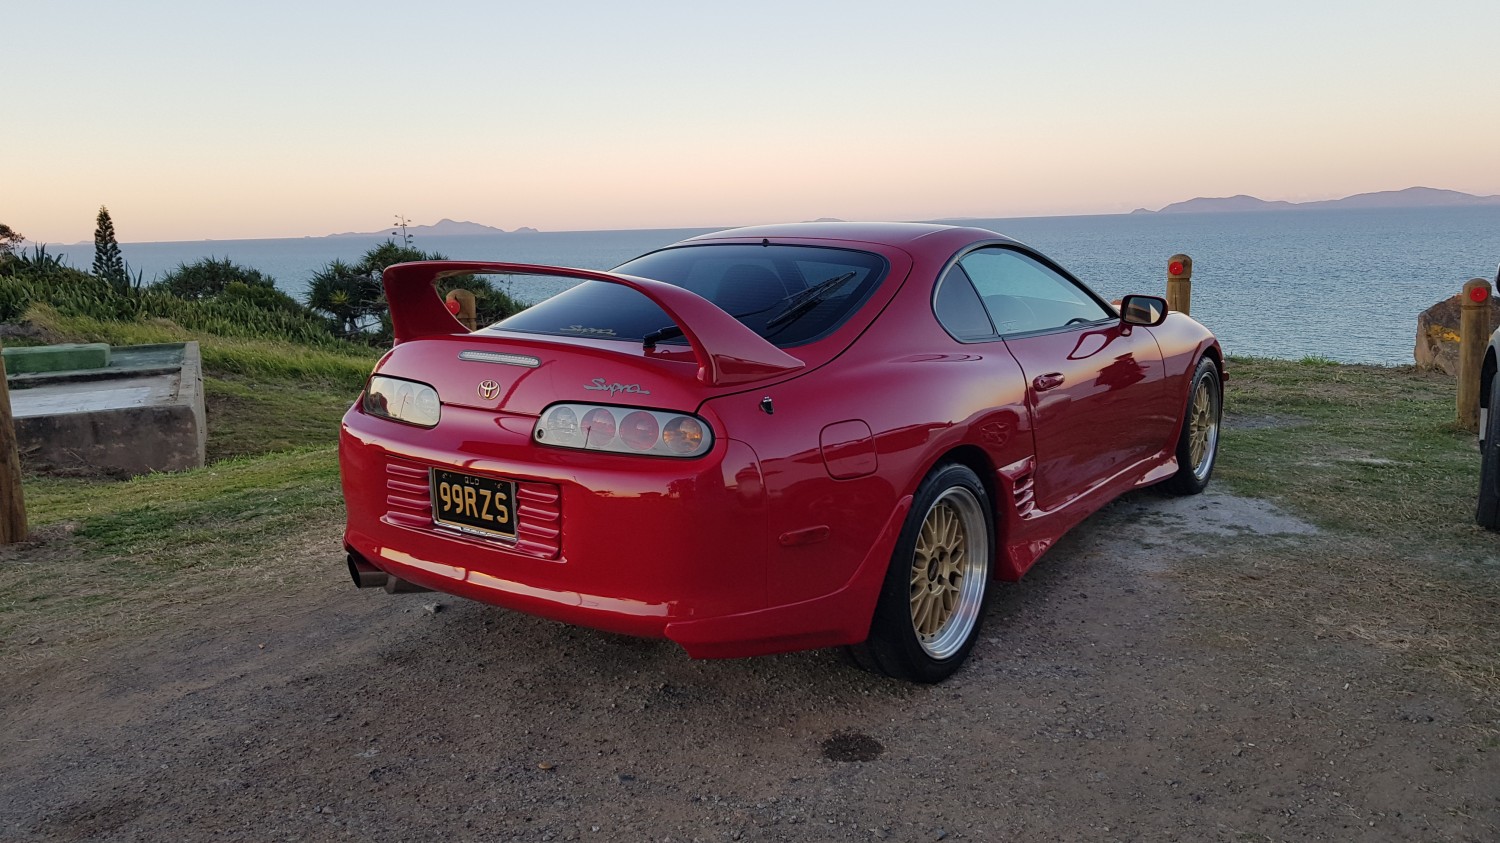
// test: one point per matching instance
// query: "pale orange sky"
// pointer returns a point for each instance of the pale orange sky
(191, 121)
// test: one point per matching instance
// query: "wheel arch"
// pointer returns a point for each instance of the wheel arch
(978, 461)
(1216, 354)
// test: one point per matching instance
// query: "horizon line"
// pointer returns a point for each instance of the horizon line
(528, 229)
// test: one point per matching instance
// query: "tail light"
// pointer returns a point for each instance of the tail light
(622, 430)
(402, 400)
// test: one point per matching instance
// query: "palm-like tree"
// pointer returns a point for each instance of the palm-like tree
(349, 295)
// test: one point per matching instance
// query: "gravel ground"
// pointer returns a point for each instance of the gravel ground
(1105, 702)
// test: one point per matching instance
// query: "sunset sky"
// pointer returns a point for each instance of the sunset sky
(206, 120)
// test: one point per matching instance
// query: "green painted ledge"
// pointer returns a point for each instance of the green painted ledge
(56, 358)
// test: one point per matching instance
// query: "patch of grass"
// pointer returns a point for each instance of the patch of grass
(248, 417)
(1368, 449)
(112, 557)
(1375, 457)
(345, 369)
(108, 552)
(166, 516)
(1316, 360)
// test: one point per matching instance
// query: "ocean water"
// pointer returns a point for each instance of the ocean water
(1341, 284)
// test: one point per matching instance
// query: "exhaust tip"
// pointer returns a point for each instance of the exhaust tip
(364, 574)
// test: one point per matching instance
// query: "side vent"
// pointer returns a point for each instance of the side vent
(1020, 477)
(1025, 493)
(408, 495)
(539, 519)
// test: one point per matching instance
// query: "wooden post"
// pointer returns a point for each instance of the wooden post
(1180, 283)
(12, 501)
(465, 310)
(1473, 338)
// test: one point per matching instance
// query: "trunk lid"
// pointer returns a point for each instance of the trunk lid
(520, 374)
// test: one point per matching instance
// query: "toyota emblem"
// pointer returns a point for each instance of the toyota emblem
(488, 389)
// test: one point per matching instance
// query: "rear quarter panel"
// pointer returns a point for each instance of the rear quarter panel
(922, 395)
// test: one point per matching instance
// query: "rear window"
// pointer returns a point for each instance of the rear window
(788, 294)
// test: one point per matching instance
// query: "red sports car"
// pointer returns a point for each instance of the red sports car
(770, 439)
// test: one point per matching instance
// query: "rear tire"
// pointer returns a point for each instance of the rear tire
(1198, 443)
(1488, 512)
(937, 586)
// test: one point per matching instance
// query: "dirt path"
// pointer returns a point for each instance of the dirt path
(1107, 701)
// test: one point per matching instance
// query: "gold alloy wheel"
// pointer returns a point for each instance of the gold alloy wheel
(1203, 428)
(948, 571)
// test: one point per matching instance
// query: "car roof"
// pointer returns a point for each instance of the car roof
(899, 234)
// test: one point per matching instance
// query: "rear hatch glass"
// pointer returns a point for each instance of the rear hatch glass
(790, 295)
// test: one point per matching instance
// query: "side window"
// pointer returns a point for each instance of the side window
(958, 308)
(1023, 295)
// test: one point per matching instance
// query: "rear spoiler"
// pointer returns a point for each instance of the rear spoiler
(728, 353)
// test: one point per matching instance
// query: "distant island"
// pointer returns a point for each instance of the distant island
(1412, 197)
(443, 228)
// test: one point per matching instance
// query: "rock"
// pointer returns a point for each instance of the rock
(1437, 333)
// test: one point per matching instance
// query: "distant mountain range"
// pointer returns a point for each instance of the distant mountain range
(1412, 197)
(443, 228)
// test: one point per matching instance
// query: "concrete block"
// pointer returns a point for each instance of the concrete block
(56, 358)
(124, 421)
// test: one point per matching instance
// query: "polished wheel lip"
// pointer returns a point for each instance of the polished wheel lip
(1203, 429)
(948, 572)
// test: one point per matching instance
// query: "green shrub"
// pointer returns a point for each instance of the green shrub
(40, 277)
(219, 298)
(239, 310)
(210, 277)
(352, 295)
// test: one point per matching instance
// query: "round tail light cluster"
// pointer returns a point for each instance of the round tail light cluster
(623, 430)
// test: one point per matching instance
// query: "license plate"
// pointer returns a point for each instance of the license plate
(481, 505)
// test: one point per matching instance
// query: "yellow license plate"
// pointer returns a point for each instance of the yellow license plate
(482, 505)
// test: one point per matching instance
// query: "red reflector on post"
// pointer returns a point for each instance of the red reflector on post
(1478, 294)
(1175, 267)
(453, 306)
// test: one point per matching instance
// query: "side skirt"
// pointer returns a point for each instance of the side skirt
(1030, 532)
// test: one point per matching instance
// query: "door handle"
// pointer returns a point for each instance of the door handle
(1051, 380)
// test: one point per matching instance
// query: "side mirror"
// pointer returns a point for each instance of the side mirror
(1146, 311)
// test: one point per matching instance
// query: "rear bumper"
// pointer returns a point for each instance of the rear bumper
(638, 617)
(842, 617)
(674, 549)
